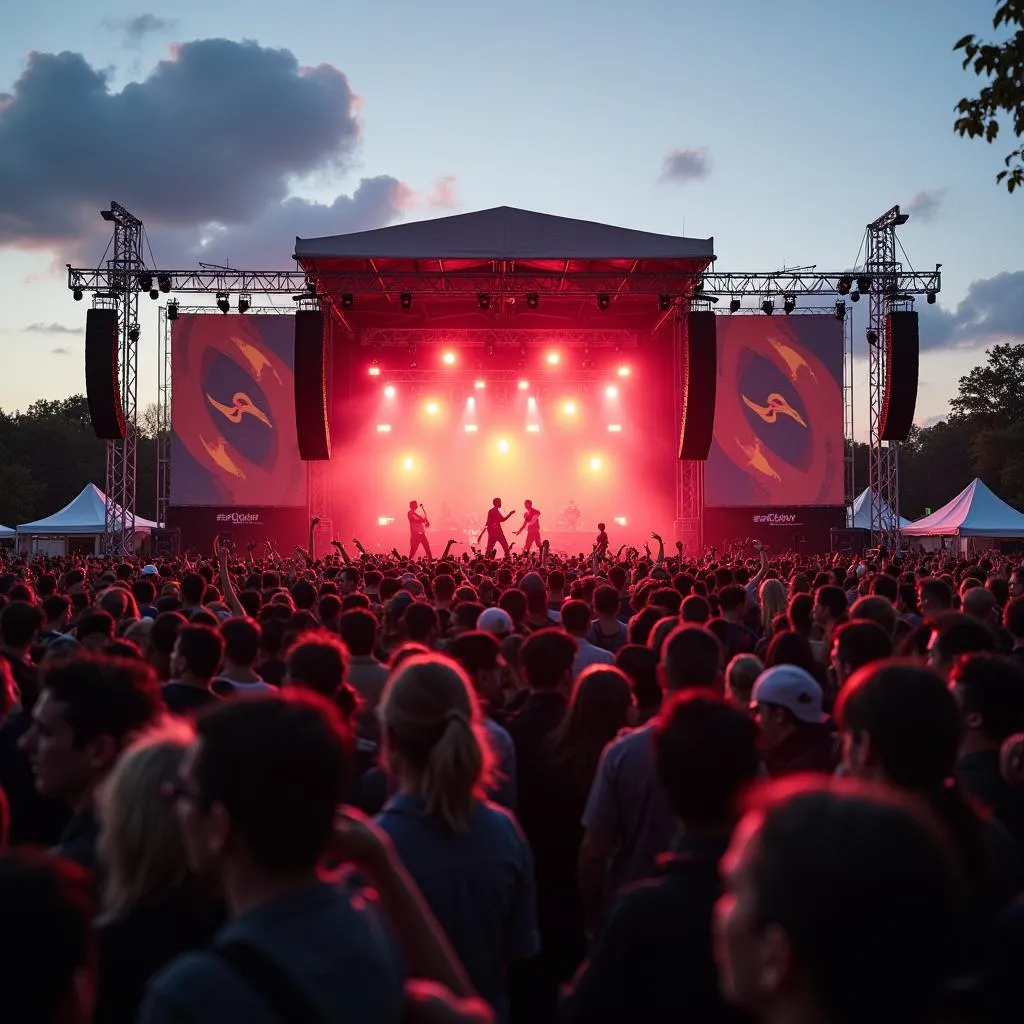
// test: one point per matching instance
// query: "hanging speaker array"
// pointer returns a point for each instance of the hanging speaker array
(312, 421)
(102, 391)
(902, 361)
(698, 386)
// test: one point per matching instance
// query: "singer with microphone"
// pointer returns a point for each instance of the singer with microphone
(418, 525)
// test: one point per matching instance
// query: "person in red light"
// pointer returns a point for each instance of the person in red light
(418, 524)
(495, 534)
(531, 524)
(601, 544)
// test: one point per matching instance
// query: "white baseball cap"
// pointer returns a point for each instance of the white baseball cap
(793, 688)
(496, 621)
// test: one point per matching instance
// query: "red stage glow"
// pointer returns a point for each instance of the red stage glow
(553, 359)
(619, 520)
(389, 392)
(569, 408)
(595, 464)
(623, 371)
(374, 370)
(611, 391)
(448, 358)
(470, 428)
(524, 385)
(432, 408)
(383, 428)
(533, 428)
(479, 385)
(614, 428)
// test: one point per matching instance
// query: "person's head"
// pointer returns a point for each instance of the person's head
(317, 662)
(358, 631)
(258, 790)
(856, 644)
(57, 612)
(95, 629)
(141, 845)
(528, 503)
(706, 754)
(900, 725)
(547, 658)
(607, 601)
(89, 709)
(786, 699)
(496, 503)
(47, 968)
(434, 742)
(733, 602)
(690, 656)
(641, 665)
(576, 617)
(954, 634)
(990, 692)
(479, 654)
(740, 675)
(840, 904)
(935, 597)
(879, 610)
(20, 623)
(421, 623)
(829, 605)
(241, 642)
(695, 610)
(773, 599)
(198, 652)
(193, 587)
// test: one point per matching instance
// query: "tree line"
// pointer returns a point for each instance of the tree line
(49, 452)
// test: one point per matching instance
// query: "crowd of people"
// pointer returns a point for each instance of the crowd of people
(744, 787)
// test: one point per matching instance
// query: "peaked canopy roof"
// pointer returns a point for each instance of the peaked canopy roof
(974, 512)
(506, 233)
(859, 517)
(6, 531)
(84, 516)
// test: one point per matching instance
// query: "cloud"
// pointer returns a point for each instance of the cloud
(926, 204)
(137, 27)
(444, 196)
(686, 165)
(931, 421)
(216, 134)
(991, 311)
(60, 351)
(40, 328)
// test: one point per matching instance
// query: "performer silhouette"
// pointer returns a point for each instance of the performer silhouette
(601, 544)
(418, 525)
(495, 533)
(531, 524)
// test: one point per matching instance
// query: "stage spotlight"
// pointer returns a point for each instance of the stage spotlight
(533, 428)
(569, 408)
(346, 300)
(664, 303)
(389, 392)
(479, 385)
(448, 358)
(244, 302)
(603, 301)
(133, 332)
(164, 283)
(383, 428)
(930, 297)
(145, 282)
(619, 520)
(553, 359)
(864, 283)
(432, 408)
(489, 349)
(789, 305)
(77, 293)
(532, 300)
(154, 294)
(840, 310)
(734, 306)
(385, 520)
(374, 369)
(611, 391)
(483, 300)
(855, 296)
(172, 309)
(222, 302)
(623, 371)
(614, 428)
(503, 446)
(524, 385)
(469, 428)
(844, 284)
(405, 300)
(595, 463)
(872, 337)
(767, 307)
(407, 464)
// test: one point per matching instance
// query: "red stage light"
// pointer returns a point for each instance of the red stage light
(553, 359)
(523, 385)
(619, 520)
(383, 428)
(479, 385)
(432, 408)
(614, 428)
(374, 370)
(569, 408)
(389, 392)
(623, 371)
(448, 358)
(385, 520)
(611, 391)
(470, 428)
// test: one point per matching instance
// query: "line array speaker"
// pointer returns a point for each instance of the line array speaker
(312, 423)
(902, 361)
(699, 386)
(101, 387)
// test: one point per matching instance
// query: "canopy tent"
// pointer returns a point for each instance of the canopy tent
(6, 533)
(974, 512)
(859, 516)
(85, 516)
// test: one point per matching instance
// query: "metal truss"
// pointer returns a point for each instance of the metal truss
(887, 294)
(120, 290)
(163, 417)
(848, 426)
(402, 337)
(319, 498)
(502, 282)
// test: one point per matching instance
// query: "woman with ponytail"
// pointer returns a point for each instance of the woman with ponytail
(467, 855)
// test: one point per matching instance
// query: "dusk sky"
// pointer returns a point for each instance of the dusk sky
(779, 129)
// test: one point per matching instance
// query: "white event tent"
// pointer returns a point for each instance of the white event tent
(859, 516)
(975, 513)
(72, 528)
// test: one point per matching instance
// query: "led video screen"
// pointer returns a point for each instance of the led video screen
(778, 438)
(233, 440)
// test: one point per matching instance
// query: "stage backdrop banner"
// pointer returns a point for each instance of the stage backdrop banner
(779, 413)
(233, 440)
(198, 526)
(780, 528)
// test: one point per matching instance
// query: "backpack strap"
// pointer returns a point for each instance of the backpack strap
(273, 985)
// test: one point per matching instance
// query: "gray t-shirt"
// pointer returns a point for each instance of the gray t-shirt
(329, 940)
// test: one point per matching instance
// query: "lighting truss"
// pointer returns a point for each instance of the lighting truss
(401, 337)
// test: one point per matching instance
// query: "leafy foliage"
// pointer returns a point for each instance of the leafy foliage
(992, 396)
(1003, 65)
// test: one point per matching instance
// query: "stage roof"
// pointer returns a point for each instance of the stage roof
(506, 233)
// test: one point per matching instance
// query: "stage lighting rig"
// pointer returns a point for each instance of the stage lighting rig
(483, 300)
(840, 310)
(767, 307)
(734, 306)
(163, 282)
(532, 300)
(864, 283)
(405, 300)
(133, 332)
(930, 298)
(172, 309)
(844, 284)
(789, 304)
(855, 296)
(222, 302)
(244, 302)
(346, 300)
(145, 282)
(872, 337)
(77, 294)
(664, 303)
(603, 301)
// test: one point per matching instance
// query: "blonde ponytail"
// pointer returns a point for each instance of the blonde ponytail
(433, 729)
